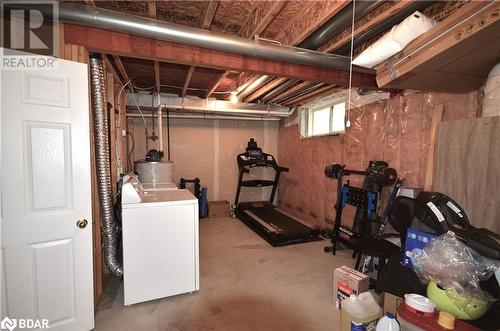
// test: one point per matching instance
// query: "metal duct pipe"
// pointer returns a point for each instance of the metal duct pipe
(300, 92)
(303, 91)
(278, 89)
(150, 28)
(253, 86)
(338, 23)
(109, 224)
(387, 24)
(334, 26)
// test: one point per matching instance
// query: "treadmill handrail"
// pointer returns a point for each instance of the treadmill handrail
(245, 162)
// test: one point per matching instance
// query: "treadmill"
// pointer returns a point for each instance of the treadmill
(273, 225)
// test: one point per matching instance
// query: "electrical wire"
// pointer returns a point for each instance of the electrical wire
(137, 106)
(348, 110)
(130, 164)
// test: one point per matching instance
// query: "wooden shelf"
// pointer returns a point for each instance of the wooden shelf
(455, 56)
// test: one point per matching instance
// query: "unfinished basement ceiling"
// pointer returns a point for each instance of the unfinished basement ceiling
(287, 22)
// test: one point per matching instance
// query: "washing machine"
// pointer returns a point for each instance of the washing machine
(160, 241)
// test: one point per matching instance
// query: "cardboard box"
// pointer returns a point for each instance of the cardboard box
(347, 281)
(391, 303)
(415, 242)
(218, 208)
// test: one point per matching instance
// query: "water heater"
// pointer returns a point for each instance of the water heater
(154, 172)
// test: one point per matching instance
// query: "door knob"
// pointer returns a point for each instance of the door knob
(82, 223)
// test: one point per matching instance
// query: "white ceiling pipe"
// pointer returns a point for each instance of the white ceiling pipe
(213, 117)
(145, 100)
(252, 86)
(228, 110)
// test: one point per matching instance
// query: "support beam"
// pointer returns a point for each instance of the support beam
(157, 76)
(308, 20)
(122, 70)
(124, 44)
(283, 95)
(207, 13)
(217, 83)
(380, 14)
(186, 82)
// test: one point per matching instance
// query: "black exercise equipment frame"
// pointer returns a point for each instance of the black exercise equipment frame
(379, 173)
(265, 160)
(274, 226)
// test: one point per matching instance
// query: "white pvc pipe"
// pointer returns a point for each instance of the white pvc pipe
(214, 117)
(160, 129)
(229, 111)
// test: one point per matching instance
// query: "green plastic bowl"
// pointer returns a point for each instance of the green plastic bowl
(461, 305)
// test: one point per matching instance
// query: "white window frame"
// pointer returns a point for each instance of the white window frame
(307, 116)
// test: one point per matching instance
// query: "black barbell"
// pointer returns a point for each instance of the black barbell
(381, 175)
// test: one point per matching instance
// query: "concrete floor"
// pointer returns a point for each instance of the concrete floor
(245, 284)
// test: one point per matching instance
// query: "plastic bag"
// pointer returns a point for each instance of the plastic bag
(450, 263)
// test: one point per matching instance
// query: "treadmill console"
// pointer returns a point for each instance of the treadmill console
(255, 154)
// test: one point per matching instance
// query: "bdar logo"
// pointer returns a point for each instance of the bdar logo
(9, 324)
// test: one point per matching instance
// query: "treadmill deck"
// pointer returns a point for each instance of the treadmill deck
(273, 226)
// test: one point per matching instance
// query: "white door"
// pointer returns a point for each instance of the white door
(46, 257)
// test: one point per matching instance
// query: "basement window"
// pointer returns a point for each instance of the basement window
(323, 120)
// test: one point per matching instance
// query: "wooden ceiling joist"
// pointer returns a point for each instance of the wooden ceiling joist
(186, 82)
(152, 9)
(380, 14)
(109, 66)
(152, 12)
(262, 15)
(315, 14)
(283, 95)
(307, 21)
(217, 83)
(317, 96)
(271, 85)
(122, 70)
(207, 13)
(157, 76)
(304, 97)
